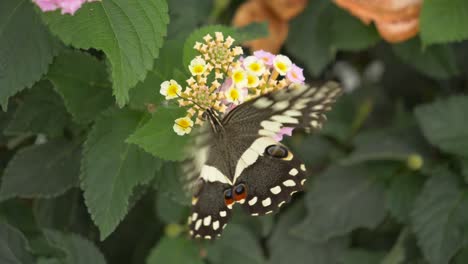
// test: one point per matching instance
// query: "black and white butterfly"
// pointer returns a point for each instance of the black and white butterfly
(243, 163)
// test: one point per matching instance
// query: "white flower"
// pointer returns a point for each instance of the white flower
(254, 65)
(236, 95)
(252, 80)
(183, 126)
(170, 89)
(197, 66)
(282, 64)
(239, 77)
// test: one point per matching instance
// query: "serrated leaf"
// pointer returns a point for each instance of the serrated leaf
(443, 124)
(129, 32)
(288, 248)
(112, 165)
(349, 33)
(252, 31)
(403, 190)
(236, 245)
(436, 61)
(41, 111)
(311, 44)
(26, 48)
(83, 83)
(13, 246)
(78, 249)
(147, 92)
(341, 200)
(175, 250)
(444, 21)
(440, 217)
(39, 171)
(170, 183)
(157, 136)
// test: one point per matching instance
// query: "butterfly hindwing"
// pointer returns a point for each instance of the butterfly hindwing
(272, 179)
(209, 214)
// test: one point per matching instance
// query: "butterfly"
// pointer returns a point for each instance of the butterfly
(244, 164)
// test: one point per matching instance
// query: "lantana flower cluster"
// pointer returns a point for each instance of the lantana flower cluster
(66, 6)
(223, 79)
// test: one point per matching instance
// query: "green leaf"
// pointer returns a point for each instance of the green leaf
(252, 31)
(288, 248)
(309, 38)
(440, 217)
(444, 21)
(170, 183)
(402, 193)
(360, 256)
(349, 33)
(462, 257)
(236, 245)
(157, 136)
(129, 32)
(78, 249)
(186, 16)
(82, 82)
(147, 92)
(46, 170)
(169, 210)
(41, 111)
(341, 200)
(463, 163)
(111, 168)
(443, 124)
(436, 61)
(402, 249)
(26, 48)
(175, 250)
(13, 246)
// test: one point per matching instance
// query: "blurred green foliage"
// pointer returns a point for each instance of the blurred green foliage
(89, 159)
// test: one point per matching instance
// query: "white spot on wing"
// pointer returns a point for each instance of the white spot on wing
(285, 119)
(222, 213)
(275, 190)
(198, 224)
(293, 113)
(262, 103)
(207, 220)
(207, 237)
(215, 225)
(303, 168)
(293, 172)
(281, 204)
(266, 202)
(194, 216)
(270, 125)
(303, 181)
(279, 106)
(253, 201)
(266, 133)
(289, 183)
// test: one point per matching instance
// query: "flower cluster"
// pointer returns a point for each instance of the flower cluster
(222, 79)
(67, 6)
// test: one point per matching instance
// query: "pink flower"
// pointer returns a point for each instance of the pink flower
(266, 56)
(295, 74)
(283, 131)
(67, 6)
(226, 85)
(46, 5)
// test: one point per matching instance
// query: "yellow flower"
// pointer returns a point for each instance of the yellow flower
(282, 64)
(239, 77)
(170, 89)
(183, 126)
(254, 65)
(197, 66)
(252, 80)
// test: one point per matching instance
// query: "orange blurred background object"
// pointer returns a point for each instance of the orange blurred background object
(276, 12)
(396, 20)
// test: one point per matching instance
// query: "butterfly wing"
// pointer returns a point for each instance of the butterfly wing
(209, 212)
(272, 179)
